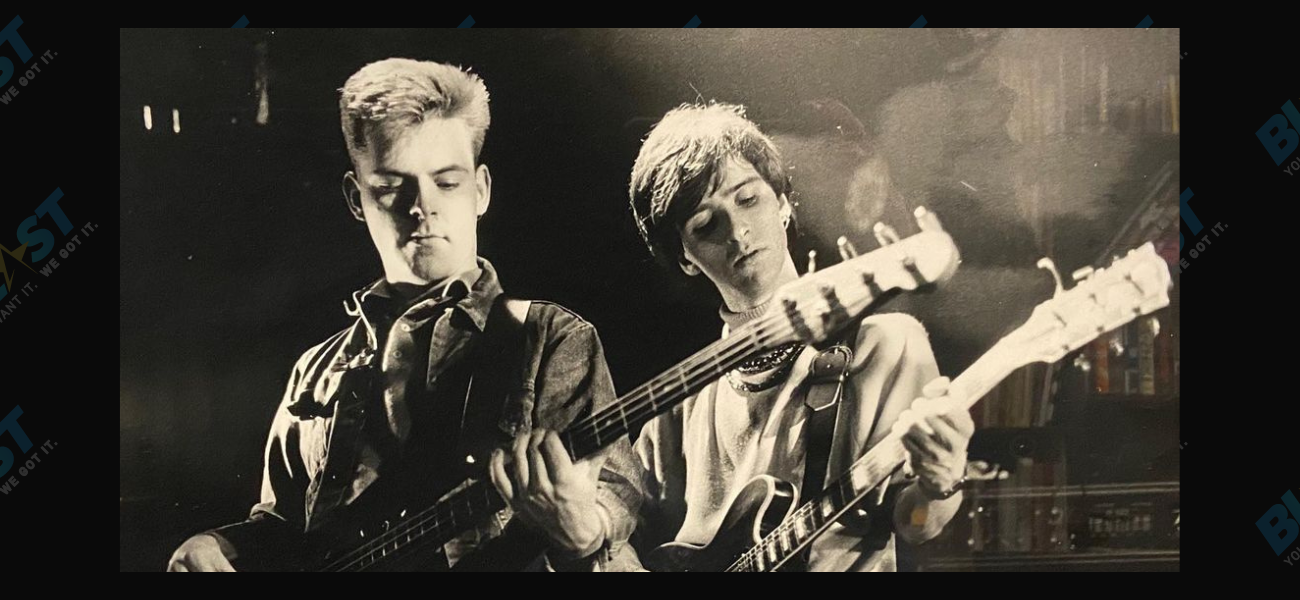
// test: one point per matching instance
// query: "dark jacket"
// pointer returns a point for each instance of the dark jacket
(318, 458)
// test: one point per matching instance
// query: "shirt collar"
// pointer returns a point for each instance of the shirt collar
(473, 291)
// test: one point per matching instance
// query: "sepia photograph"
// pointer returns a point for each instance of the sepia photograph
(650, 299)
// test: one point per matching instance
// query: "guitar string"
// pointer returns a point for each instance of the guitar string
(887, 453)
(643, 404)
(977, 383)
(749, 557)
(410, 526)
(636, 403)
(424, 517)
(639, 406)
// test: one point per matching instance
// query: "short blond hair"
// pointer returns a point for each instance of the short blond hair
(400, 92)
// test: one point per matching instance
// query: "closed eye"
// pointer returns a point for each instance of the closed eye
(703, 226)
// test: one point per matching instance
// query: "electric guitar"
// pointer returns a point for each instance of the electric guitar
(765, 526)
(812, 307)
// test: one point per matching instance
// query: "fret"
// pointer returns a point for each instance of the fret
(801, 527)
(811, 513)
(783, 536)
(681, 376)
(827, 507)
(717, 365)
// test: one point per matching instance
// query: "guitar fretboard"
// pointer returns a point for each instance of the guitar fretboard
(443, 521)
(815, 516)
(833, 295)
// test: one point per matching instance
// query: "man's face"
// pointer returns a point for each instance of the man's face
(736, 236)
(420, 195)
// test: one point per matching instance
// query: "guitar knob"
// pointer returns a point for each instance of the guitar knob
(847, 251)
(885, 234)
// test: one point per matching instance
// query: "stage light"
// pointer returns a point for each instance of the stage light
(148, 118)
(176, 120)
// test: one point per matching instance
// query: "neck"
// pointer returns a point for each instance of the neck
(406, 290)
(744, 301)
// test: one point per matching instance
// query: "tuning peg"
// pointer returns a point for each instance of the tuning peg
(812, 261)
(847, 251)
(885, 234)
(1081, 274)
(926, 220)
(1046, 263)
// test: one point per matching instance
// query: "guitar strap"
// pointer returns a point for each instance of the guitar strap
(825, 383)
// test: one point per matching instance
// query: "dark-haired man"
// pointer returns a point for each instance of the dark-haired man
(711, 197)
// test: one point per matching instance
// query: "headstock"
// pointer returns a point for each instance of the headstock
(1103, 300)
(818, 304)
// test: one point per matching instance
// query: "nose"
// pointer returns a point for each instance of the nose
(740, 229)
(425, 203)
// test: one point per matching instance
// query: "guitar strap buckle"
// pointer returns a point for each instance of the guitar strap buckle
(826, 377)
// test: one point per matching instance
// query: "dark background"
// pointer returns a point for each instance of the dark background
(238, 252)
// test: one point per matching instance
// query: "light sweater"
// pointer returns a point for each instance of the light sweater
(701, 454)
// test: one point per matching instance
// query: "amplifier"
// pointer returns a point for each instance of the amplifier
(1008, 526)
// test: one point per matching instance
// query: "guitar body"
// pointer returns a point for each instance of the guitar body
(759, 507)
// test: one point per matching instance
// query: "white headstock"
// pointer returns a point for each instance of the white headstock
(818, 304)
(1103, 300)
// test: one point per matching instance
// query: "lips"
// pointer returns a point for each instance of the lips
(425, 238)
(744, 258)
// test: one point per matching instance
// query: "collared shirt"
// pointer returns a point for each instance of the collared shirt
(325, 448)
(699, 456)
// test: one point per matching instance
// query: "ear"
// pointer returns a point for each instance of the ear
(483, 182)
(786, 210)
(352, 195)
(687, 266)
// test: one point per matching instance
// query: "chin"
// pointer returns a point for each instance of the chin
(432, 272)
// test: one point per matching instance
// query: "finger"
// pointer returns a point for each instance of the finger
(960, 420)
(519, 470)
(945, 435)
(177, 567)
(936, 388)
(497, 468)
(903, 423)
(556, 458)
(920, 447)
(539, 478)
(919, 421)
